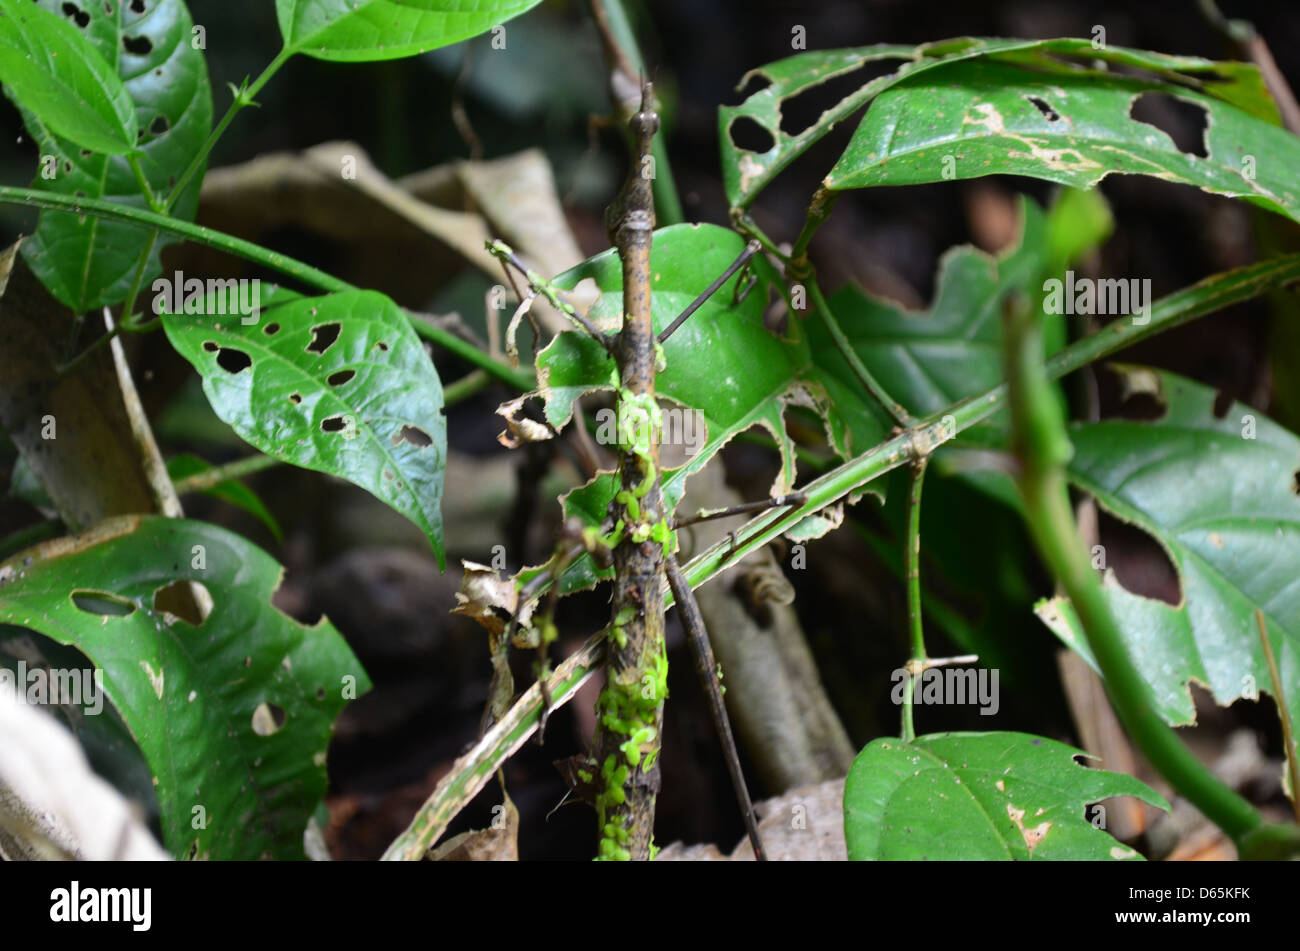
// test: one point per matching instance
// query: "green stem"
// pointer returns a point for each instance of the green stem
(892, 407)
(129, 310)
(819, 209)
(253, 252)
(210, 478)
(133, 159)
(747, 226)
(121, 327)
(912, 576)
(1206, 297)
(473, 382)
(1040, 441)
(244, 97)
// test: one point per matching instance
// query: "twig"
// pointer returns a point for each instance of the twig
(471, 772)
(210, 478)
(891, 406)
(540, 286)
(912, 576)
(706, 665)
(630, 708)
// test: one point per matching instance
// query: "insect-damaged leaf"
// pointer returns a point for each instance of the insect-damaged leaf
(1219, 495)
(233, 711)
(86, 261)
(986, 117)
(363, 30)
(748, 171)
(973, 796)
(339, 384)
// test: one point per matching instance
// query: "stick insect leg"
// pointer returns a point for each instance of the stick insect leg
(750, 250)
(707, 667)
(704, 515)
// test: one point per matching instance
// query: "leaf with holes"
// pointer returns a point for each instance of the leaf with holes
(231, 491)
(1218, 493)
(928, 360)
(85, 261)
(747, 171)
(363, 30)
(233, 711)
(980, 796)
(339, 384)
(47, 65)
(725, 371)
(970, 119)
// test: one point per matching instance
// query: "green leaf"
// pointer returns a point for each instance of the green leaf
(89, 262)
(928, 360)
(747, 172)
(980, 796)
(971, 119)
(51, 69)
(231, 491)
(1218, 493)
(721, 362)
(362, 30)
(339, 384)
(202, 701)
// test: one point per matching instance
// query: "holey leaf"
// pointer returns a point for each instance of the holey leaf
(929, 360)
(747, 171)
(51, 69)
(357, 30)
(233, 712)
(1218, 493)
(339, 384)
(980, 796)
(985, 117)
(85, 261)
(725, 371)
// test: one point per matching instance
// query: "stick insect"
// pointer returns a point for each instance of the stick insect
(636, 538)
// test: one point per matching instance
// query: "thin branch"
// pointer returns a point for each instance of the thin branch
(891, 406)
(540, 286)
(471, 772)
(912, 576)
(210, 478)
(710, 672)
